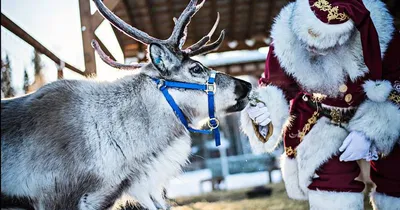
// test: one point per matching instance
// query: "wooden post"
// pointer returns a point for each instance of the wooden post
(87, 37)
(60, 70)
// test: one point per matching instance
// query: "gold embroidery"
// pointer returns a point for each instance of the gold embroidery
(336, 116)
(313, 119)
(290, 151)
(333, 12)
(258, 134)
(394, 97)
(319, 97)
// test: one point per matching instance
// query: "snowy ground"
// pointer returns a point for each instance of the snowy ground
(188, 184)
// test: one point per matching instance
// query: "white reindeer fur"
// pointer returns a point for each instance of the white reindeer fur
(324, 74)
(381, 201)
(321, 200)
(153, 143)
(279, 108)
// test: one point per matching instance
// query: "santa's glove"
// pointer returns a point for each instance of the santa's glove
(259, 114)
(357, 146)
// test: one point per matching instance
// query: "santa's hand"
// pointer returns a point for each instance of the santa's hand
(356, 146)
(259, 114)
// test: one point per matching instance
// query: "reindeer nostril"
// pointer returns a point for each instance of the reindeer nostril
(242, 89)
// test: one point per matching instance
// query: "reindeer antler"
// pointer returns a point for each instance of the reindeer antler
(110, 61)
(175, 41)
(123, 26)
(179, 32)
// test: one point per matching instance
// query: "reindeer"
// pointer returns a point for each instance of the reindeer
(82, 144)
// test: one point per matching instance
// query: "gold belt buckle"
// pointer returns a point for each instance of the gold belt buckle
(336, 116)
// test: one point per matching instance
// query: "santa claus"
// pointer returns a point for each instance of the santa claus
(331, 91)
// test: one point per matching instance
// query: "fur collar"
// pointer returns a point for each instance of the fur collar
(324, 74)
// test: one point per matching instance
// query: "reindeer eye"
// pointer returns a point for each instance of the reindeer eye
(197, 69)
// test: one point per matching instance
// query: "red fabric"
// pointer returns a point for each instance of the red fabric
(337, 176)
(276, 76)
(391, 61)
(385, 173)
(301, 112)
(323, 15)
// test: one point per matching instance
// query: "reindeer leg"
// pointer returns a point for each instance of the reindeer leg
(158, 198)
(140, 194)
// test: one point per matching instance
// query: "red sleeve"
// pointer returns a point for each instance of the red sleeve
(276, 76)
(391, 60)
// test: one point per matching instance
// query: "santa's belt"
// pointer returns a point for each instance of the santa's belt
(335, 114)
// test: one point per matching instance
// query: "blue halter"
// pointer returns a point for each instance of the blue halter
(209, 88)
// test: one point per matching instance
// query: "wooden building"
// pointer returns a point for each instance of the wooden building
(247, 23)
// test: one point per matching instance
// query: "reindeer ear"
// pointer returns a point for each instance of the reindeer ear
(163, 59)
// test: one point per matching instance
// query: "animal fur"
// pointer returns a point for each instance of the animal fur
(81, 144)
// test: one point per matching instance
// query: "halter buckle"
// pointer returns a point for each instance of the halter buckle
(211, 88)
(161, 84)
(210, 123)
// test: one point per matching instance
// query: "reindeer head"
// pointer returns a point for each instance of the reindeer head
(170, 62)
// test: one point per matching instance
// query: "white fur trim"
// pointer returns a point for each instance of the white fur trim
(290, 176)
(278, 106)
(377, 90)
(318, 146)
(315, 73)
(303, 19)
(326, 200)
(384, 202)
(380, 122)
(383, 22)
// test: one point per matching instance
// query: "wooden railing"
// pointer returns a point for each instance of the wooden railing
(18, 31)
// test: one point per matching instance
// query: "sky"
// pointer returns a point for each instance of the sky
(56, 25)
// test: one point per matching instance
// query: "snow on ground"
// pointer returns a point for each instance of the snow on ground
(188, 184)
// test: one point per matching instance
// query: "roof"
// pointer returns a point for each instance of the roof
(242, 19)
(247, 22)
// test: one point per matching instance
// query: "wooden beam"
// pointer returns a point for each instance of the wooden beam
(132, 22)
(250, 24)
(213, 11)
(149, 11)
(128, 11)
(232, 7)
(102, 46)
(87, 37)
(15, 29)
(97, 18)
(270, 15)
(171, 10)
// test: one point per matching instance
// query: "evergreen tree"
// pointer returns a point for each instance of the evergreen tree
(6, 88)
(26, 81)
(37, 62)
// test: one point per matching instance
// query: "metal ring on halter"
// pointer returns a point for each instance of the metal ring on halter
(161, 84)
(211, 88)
(211, 126)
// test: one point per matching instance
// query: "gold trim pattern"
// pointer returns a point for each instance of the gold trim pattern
(336, 116)
(258, 134)
(333, 12)
(290, 151)
(394, 97)
(313, 119)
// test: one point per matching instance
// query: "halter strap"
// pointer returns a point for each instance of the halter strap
(209, 88)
